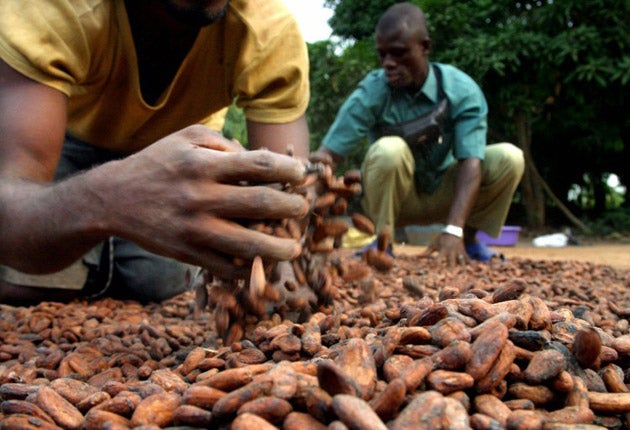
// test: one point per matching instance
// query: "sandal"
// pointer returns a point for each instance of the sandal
(374, 244)
(480, 252)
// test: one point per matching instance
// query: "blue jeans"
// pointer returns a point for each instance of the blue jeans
(118, 267)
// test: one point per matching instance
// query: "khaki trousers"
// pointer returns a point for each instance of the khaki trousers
(390, 196)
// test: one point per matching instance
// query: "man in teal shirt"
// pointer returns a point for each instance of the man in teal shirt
(455, 179)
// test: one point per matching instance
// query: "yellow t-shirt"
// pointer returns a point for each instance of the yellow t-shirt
(254, 55)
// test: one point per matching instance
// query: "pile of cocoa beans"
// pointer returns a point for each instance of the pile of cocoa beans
(295, 289)
(519, 344)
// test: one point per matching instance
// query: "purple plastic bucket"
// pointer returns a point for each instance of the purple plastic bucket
(508, 236)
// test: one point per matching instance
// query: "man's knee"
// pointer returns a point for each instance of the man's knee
(150, 279)
(388, 153)
(507, 158)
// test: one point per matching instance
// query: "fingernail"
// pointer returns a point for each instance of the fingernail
(298, 251)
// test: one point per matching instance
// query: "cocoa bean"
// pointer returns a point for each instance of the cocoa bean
(425, 411)
(59, 409)
(249, 421)
(231, 402)
(302, 421)
(271, 409)
(156, 409)
(491, 406)
(334, 379)
(356, 413)
(543, 366)
(485, 349)
(388, 401)
(193, 416)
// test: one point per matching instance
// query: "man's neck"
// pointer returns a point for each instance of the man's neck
(161, 42)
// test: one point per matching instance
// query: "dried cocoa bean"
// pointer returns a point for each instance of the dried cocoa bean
(271, 409)
(356, 361)
(302, 421)
(446, 381)
(10, 407)
(415, 373)
(59, 409)
(97, 419)
(388, 401)
(232, 401)
(334, 379)
(485, 349)
(425, 411)
(499, 369)
(587, 346)
(544, 365)
(249, 421)
(491, 406)
(356, 413)
(193, 416)
(156, 409)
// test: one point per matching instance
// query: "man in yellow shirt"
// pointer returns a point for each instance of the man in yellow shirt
(111, 180)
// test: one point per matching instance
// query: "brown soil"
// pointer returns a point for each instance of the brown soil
(616, 255)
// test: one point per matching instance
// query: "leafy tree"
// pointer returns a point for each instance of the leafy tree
(356, 20)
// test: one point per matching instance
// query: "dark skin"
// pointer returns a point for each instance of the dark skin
(195, 172)
(403, 48)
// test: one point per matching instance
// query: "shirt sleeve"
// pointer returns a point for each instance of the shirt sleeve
(355, 119)
(469, 113)
(45, 41)
(273, 83)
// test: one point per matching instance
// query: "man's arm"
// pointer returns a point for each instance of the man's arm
(32, 127)
(467, 183)
(176, 198)
(279, 137)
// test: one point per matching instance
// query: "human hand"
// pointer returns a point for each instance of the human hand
(449, 248)
(188, 195)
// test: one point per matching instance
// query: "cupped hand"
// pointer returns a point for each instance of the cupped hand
(449, 249)
(188, 196)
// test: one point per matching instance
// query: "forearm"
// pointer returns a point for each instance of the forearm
(45, 227)
(467, 183)
(281, 137)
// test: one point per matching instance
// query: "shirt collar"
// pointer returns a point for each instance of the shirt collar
(430, 87)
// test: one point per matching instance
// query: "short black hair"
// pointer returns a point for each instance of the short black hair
(407, 15)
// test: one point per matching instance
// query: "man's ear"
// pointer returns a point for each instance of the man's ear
(426, 45)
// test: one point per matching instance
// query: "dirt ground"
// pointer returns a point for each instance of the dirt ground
(616, 255)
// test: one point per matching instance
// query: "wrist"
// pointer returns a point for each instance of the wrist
(453, 230)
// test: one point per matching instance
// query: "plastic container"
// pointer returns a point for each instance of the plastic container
(508, 237)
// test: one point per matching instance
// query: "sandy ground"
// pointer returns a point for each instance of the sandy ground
(615, 255)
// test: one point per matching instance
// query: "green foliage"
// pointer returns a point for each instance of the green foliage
(356, 19)
(611, 223)
(334, 73)
(235, 126)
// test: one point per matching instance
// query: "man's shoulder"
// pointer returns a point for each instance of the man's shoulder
(451, 72)
(260, 17)
(457, 83)
(375, 83)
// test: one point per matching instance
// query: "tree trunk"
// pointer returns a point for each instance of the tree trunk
(533, 195)
(533, 185)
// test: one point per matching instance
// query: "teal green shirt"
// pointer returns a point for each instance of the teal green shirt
(374, 104)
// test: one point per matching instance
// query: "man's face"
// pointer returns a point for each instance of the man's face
(403, 57)
(198, 13)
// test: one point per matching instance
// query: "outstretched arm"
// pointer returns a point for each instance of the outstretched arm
(180, 197)
(467, 183)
